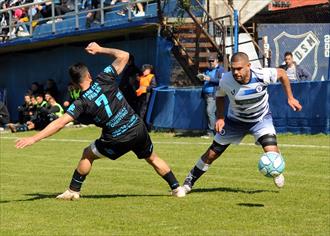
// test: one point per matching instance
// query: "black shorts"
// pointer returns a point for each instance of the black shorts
(138, 141)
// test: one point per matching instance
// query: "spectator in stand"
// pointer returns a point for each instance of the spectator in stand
(51, 88)
(123, 12)
(95, 17)
(140, 12)
(128, 82)
(211, 79)
(65, 7)
(147, 82)
(26, 110)
(20, 17)
(35, 12)
(45, 9)
(4, 22)
(295, 72)
(4, 116)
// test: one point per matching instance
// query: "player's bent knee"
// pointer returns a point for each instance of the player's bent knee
(217, 148)
(152, 158)
(88, 154)
(214, 151)
(268, 140)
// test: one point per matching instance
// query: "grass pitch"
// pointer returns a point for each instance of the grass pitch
(126, 197)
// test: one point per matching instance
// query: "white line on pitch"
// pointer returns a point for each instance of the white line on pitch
(178, 143)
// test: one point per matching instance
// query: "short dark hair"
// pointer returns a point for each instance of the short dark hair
(147, 66)
(77, 72)
(288, 54)
(220, 57)
(239, 55)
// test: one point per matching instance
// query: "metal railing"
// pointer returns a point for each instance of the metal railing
(260, 50)
(76, 13)
(212, 29)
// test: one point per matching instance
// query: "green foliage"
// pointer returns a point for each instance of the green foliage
(180, 9)
(126, 197)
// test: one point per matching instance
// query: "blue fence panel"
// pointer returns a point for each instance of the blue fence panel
(185, 109)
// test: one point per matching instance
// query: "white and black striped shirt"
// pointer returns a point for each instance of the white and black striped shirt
(248, 102)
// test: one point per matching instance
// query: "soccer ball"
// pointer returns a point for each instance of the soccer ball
(271, 164)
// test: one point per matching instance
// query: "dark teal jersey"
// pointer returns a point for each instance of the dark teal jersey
(104, 105)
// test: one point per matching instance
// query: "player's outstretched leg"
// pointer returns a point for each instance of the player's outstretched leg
(79, 175)
(203, 164)
(165, 172)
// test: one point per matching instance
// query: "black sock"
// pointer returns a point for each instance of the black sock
(76, 181)
(195, 173)
(171, 180)
(22, 128)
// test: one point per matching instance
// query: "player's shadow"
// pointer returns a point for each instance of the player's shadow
(251, 204)
(189, 134)
(40, 196)
(232, 190)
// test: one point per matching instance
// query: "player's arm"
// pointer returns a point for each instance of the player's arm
(220, 122)
(283, 78)
(49, 130)
(121, 57)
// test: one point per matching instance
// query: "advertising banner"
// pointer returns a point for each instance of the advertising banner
(309, 44)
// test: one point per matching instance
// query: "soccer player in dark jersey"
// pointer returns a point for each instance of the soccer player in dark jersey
(101, 103)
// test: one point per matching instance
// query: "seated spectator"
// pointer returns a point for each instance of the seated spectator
(128, 82)
(4, 22)
(43, 116)
(140, 12)
(71, 95)
(36, 12)
(39, 101)
(53, 106)
(44, 10)
(4, 116)
(295, 72)
(35, 89)
(65, 7)
(147, 82)
(51, 88)
(95, 17)
(26, 110)
(123, 12)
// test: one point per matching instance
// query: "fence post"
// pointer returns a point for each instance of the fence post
(236, 27)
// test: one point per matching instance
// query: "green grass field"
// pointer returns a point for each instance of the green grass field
(126, 197)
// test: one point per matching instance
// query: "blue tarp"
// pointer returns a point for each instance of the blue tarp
(185, 109)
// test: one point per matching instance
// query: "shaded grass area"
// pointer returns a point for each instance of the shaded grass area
(126, 197)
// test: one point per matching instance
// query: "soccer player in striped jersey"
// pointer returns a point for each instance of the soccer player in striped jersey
(248, 113)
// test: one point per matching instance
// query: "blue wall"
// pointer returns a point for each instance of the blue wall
(185, 109)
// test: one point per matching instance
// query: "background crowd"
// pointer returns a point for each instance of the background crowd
(41, 12)
(43, 104)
